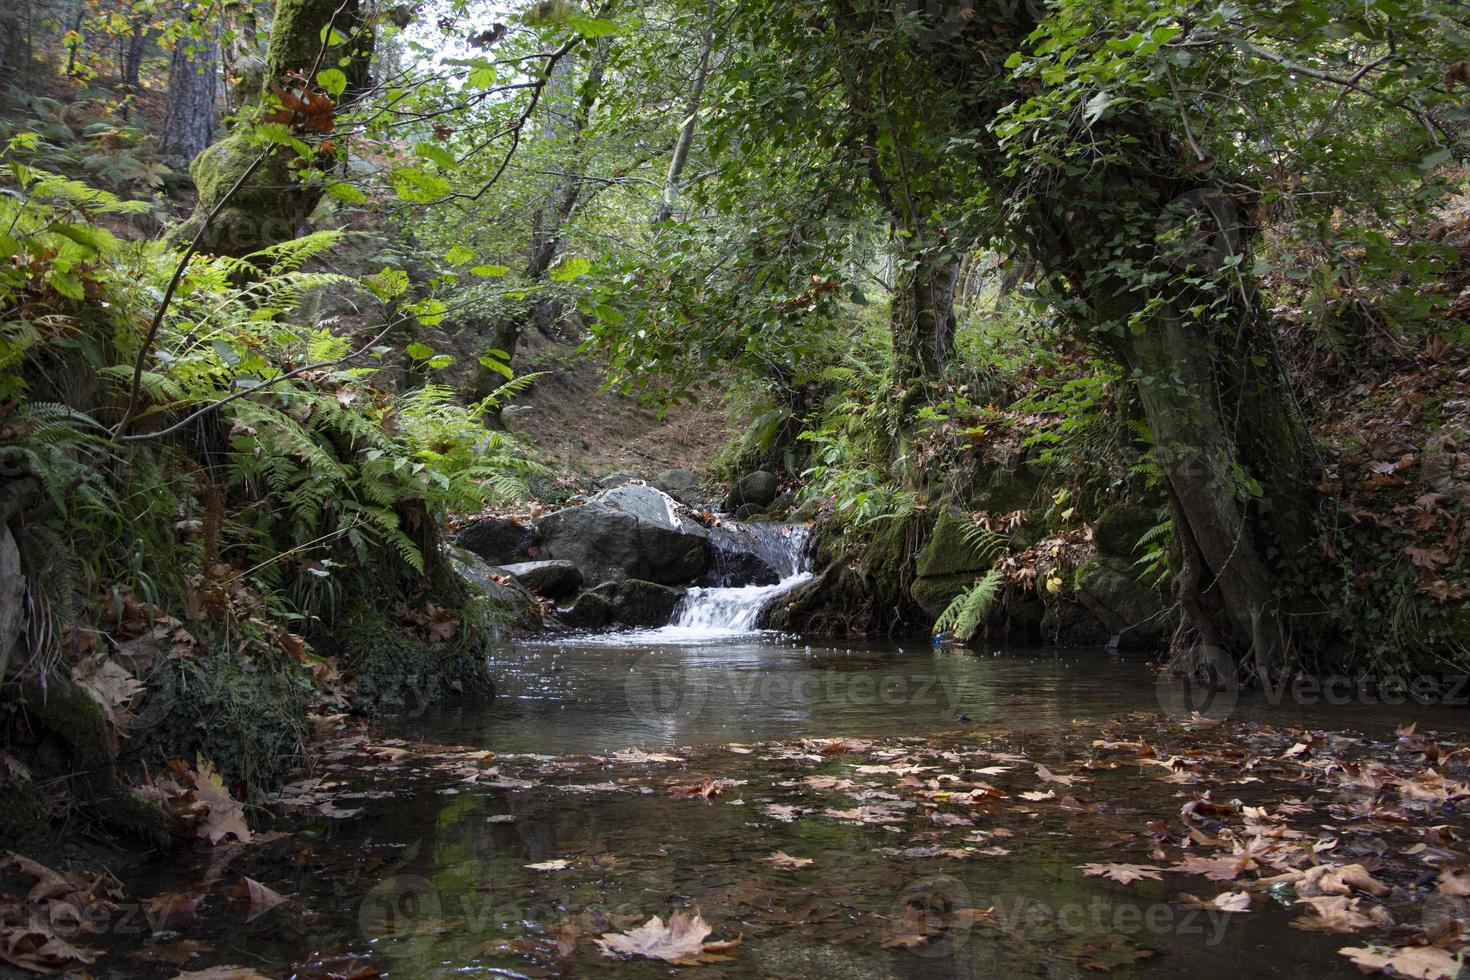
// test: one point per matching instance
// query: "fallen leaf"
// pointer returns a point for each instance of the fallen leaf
(783, 860)
(681, 942)
(1415, 962)
(1121, 873)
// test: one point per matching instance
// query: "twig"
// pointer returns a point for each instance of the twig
(295, 372)
(118, 432)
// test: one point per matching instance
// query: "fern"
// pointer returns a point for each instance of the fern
(964, 615)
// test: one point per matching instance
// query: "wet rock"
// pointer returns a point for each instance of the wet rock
(1109, 589)
(747, 511)
(591, 611)
(498, 540)
(756, 489)
(515, 607)
(618, 479)
(737, 569)
(639, 603)
(632, 531)
(1119, 527)
(552, 579)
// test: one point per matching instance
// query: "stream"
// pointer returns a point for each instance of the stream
(621, 776)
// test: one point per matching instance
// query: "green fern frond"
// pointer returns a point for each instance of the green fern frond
(964, 615)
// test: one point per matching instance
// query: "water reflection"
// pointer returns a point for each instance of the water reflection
(591, 695)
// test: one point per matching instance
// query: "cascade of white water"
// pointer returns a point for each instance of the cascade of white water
(718, 612)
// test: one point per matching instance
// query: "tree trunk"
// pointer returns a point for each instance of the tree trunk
(922, 316)
(10, 43)
(132, 63)
(1235, 459)
(688, 126)
(546, 229)
(189, 119)
(258, 199)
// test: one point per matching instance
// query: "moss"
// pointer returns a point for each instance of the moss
(1119, 527)
(396, 672)
(250, 723)
(23, 825)
(85, 751)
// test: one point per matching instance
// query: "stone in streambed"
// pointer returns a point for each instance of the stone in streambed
(756, 489)
(629, 532)
(553, 579)
(1109, 589)
(638, 603)
(591, 611)
(498, 540)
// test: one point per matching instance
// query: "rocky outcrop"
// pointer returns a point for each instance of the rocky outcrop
(1109, 589)
(515, 607)
(552, 579)
(498, 540)
(949, 562)
(638, 603)
(629, 532)
(1119, 527)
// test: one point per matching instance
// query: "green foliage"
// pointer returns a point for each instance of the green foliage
(964, 615)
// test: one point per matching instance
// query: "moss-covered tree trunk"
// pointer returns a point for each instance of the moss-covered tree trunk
(251, 189)
(922, 317)
(1233, 455)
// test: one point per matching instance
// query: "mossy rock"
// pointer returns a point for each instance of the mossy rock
(948, 552)
(250, 722)
(79, 747)
(934, 593)
(1109, 588)
(1008, 490)
(397, 672)
(1119, 527)
(23, 821)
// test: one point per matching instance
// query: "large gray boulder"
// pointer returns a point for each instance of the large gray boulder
(631, 531)
(552, 579)
(756, 489)
(498, 540)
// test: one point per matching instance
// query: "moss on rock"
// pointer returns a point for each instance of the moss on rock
(248, 720)
(1118, 528)
(398, 672)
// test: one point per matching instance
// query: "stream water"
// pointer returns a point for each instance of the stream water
(422, 871)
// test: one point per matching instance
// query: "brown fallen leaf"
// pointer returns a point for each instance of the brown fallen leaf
(1414, 962)
(1339, 913)
(559, 864)
(262, 899)
(681, 942)
(1224, 902)
(1121, 873)
(221, 973)
(1454, 884)
(783, 860)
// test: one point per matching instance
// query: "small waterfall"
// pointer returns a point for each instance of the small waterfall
(722, 611)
